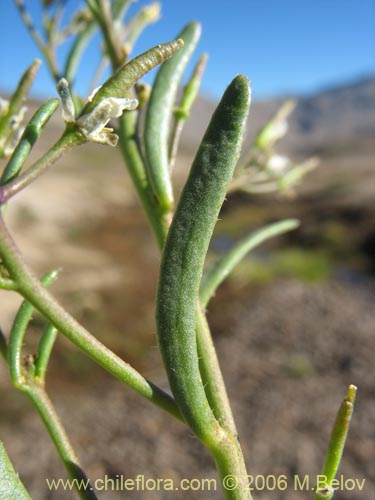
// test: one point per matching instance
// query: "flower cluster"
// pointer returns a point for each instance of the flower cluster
(264, 170)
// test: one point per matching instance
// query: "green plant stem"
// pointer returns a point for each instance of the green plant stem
(66, 142)
(17, 335)
(220, 269)
(60, 439)
(134, 27)
(182, 113)
(44, 352)
(32, 290)
(232, 470)
(77, 50)
(44, 49)
(212, 377)
(159, 221)
(26, 380)
(104, 20)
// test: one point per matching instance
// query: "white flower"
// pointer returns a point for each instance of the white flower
(278, 164)
(93, 124)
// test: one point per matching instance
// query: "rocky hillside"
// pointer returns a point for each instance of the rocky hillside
(333, 116)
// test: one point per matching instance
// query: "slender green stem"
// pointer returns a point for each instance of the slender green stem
(32, 290)
(134, 27)
(212, 377)
(44, 352)
(231, 468)
(220, 269)
(66, 142)
(120, 8)
(77, 50)
(104, 20)
(181, 114)
(129, 148)
(178, 126)
(60, 439)
(17, 335)
(26, 380)
(44, 49)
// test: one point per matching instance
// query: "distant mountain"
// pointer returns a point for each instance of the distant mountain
(333, 116)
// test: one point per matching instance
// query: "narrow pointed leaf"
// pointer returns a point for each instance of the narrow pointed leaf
(29, 137)
(16, 102)
(336, 445)
(219, 270)
(181, 114)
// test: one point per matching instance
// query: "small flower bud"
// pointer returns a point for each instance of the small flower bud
(68, 109)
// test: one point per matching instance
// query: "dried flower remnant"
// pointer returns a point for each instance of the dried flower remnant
(93, 124)
(68, 108)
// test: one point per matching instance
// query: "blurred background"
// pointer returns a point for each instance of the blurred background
(293, 324)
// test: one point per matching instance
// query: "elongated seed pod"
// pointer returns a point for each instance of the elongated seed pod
(159, 113)
(119, 84)
(185, 250)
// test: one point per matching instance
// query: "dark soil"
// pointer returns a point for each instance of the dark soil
(288, 353)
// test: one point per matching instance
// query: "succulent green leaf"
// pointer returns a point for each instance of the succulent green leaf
(159, 114)
(336, 444)
(119, 84)
(16, 102)
(184, 254)
(29, 137)
(11, 487)
(219, 270)
(191, 89)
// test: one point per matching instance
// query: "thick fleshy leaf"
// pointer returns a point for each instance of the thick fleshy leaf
(11, 487)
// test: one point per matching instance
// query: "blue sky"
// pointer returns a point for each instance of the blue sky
(284, 46)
